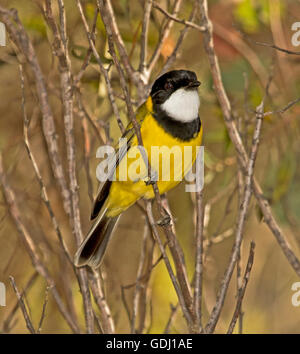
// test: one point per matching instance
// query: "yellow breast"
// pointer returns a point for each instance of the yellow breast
(169, 157)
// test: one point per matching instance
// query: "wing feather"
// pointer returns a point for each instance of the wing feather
(121, 151)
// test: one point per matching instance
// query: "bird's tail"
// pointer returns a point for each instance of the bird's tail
(93, 248)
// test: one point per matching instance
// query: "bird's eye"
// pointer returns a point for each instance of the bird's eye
(168, 86)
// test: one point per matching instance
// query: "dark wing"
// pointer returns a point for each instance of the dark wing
(121, 151)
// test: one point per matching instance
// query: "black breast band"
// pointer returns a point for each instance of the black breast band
(180, 130)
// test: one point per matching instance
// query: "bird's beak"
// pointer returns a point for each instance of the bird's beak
(194, 84)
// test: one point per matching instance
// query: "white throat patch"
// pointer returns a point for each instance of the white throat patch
(182, 105)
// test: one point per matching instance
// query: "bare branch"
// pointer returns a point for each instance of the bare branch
(180, 40)
(138, 285)
(87, 148)
(26, 316)
(174, 18)
(22, 41)
(89, 53)
(242, 289)
(106, 318)
(171, 318)
(178, 290)
(102, 69)
(7, 323)
(144, 38)
(240, 223)
(107, 10)
(284, 109)
(165, 33)
(199, 259)
(31, 247)
(44, 193)
(110, 34)
(43, 315)
(270, 45)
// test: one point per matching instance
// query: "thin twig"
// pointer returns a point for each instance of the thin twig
(171, 318)
(7, 325)
(138, 285)
(43, 315)
(144, 38)
(174, 18)
(199, 260)
(168, 265)
(242, 289)
(106, 7)
(123, 296)
(238, 263)
(89, 53)
(164, 35)
(110, 37)
(284, 109)
(145, 290)
(104, 71)
(169, 62)
(216, 239)
(26, 316)
(107, 322)
(270, 45)
(87, 148)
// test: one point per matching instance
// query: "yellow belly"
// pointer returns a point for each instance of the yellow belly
(124, 193)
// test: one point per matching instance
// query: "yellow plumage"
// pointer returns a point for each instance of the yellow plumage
(125, 193)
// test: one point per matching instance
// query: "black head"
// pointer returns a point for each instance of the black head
(171, 81)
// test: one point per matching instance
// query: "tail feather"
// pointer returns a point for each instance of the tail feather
(93, 248)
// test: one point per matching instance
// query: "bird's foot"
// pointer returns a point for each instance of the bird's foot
(152, 179)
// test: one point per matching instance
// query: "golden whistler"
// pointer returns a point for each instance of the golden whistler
(169, 121)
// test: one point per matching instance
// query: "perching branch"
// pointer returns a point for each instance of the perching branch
(177, 288)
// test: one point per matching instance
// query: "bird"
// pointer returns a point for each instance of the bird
(169, 117)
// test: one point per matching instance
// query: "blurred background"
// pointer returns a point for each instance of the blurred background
(245, 70)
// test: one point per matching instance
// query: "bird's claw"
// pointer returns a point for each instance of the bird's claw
(152, 179)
